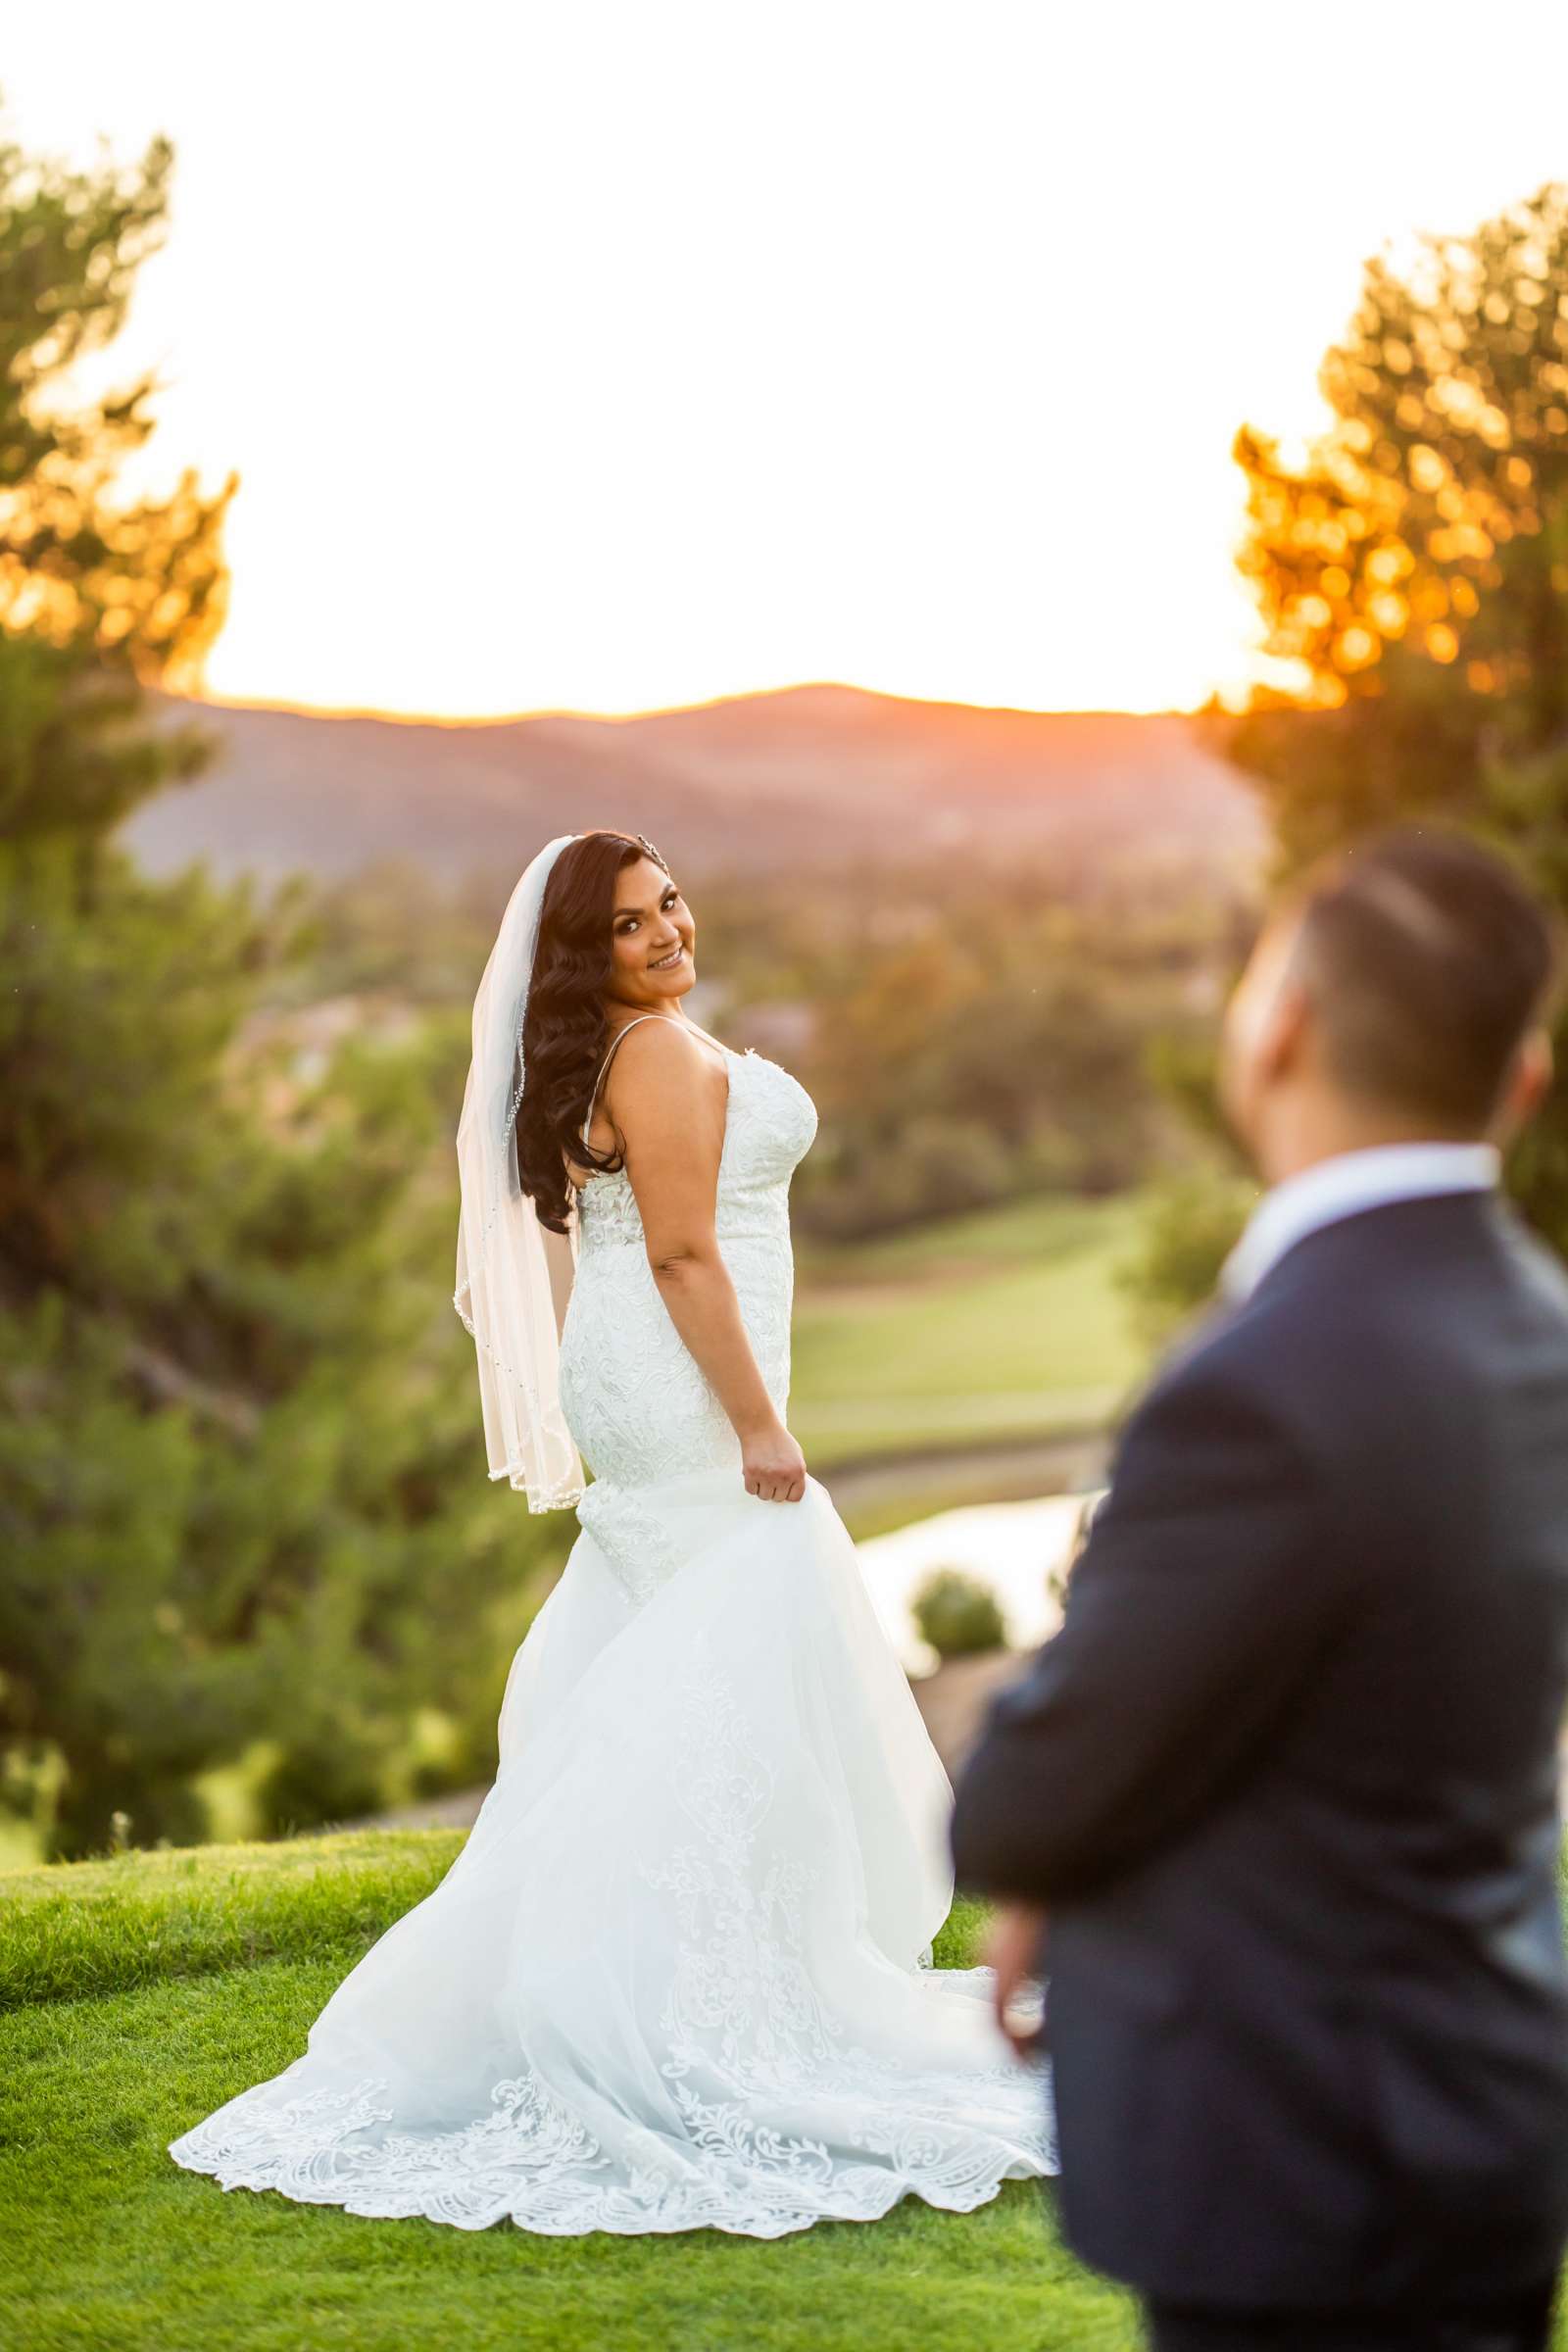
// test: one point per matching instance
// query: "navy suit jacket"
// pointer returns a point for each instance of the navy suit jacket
(1287, 1781)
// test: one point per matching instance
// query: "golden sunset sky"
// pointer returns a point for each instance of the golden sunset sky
(609, 356)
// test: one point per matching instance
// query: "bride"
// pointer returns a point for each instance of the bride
(680, 1975)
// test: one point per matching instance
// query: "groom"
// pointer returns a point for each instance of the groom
(1276, 1811)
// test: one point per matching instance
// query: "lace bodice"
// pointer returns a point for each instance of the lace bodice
(637, 1403)
(769, 1128)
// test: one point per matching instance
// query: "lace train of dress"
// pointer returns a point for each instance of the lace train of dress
(678, 1976)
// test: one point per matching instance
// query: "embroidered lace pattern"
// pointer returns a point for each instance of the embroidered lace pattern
(635, 1400)
(748, 2045)
(630, 1537)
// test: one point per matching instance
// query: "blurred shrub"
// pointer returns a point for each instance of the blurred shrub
(1193, 1222)
(958, 1615)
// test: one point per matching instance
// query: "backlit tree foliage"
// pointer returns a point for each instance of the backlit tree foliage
(1413, 568)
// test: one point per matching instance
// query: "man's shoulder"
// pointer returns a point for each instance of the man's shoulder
(1296, 1362)
(1535, 1264)
(1347, 1328)
(1447, 1276)
(1269, 1345)
(1236, 1379)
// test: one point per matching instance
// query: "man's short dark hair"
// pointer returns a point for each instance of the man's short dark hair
(1427, 961)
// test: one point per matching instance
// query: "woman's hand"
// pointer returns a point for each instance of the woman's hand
(772, 1464)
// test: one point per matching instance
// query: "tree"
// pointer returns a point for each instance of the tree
(1414, 568)
(993, 1046)
(241, 1490)
(97, 594)
(1412, 573)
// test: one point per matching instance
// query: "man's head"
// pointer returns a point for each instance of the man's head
(1400, 991)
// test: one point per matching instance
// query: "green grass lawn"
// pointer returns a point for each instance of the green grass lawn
(137, 1993)
(140, 1993)
(999, 1325)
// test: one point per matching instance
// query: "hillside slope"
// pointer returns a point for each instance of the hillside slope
(814, 772)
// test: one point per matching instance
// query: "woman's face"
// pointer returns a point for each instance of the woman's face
(652, 935)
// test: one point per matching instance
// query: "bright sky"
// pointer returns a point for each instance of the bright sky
(598, 356)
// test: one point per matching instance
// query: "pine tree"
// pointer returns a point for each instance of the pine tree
(241, 1487)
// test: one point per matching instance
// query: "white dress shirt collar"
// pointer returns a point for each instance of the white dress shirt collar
(1343, 1184)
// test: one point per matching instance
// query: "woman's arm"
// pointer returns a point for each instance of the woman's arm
(669, 1105)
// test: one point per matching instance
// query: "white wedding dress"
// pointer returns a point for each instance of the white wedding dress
(679, 1975)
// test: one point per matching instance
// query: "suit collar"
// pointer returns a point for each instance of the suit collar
(1348, 1184)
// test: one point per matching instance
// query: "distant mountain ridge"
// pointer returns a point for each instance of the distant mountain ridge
(822, 773)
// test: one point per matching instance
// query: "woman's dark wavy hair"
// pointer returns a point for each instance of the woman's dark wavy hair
(565, 1032)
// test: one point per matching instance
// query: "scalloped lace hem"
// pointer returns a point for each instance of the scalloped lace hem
(531, 2163)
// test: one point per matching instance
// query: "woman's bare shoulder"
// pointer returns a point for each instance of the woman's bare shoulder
(656, 1053)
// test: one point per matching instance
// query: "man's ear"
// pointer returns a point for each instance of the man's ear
(1528, 1084)
(1283, 1029)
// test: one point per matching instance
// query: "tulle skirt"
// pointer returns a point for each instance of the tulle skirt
(679, 1975)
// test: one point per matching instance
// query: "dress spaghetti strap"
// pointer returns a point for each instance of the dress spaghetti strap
(593, 1100)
